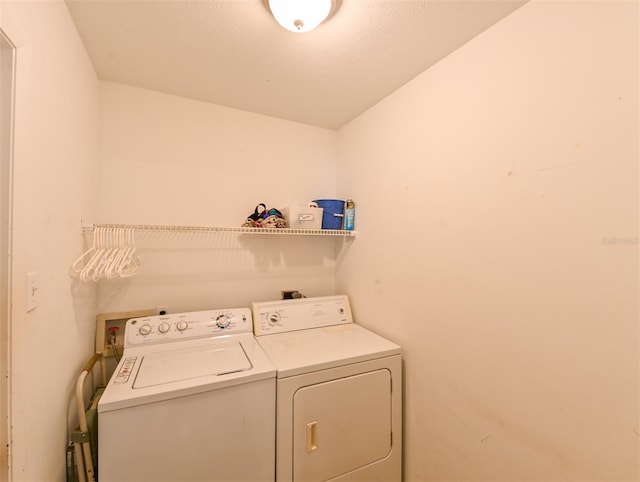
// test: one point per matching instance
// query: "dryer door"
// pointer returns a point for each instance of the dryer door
(341, 425)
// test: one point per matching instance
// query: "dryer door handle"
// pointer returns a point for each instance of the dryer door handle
(311, 436)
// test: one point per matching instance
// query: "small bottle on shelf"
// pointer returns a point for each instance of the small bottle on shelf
(349, 215)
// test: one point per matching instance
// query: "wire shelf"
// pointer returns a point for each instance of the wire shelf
(218, 229)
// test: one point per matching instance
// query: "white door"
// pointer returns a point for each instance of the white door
(341, 425)
(7, 54)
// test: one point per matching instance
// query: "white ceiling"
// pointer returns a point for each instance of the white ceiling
(233, 53)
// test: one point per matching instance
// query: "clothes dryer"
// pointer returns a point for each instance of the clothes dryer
(339, 392)
(192, 399)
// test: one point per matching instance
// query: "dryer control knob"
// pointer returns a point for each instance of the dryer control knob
(144, 329)
(164, 327)
(223, 321)
(273, 318)
(182, 325)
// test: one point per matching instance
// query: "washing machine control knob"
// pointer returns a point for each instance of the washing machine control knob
(182, 325)
(223, 321)
(163, 327)
(144, 329)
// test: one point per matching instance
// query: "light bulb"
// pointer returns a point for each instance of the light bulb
(300, 15)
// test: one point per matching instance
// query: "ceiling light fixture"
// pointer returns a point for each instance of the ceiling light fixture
(300, 15)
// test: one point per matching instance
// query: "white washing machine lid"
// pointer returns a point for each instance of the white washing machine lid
(158, 368)
(149, 374)
(304, 351)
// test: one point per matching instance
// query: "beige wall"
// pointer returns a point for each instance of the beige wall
(54, 187)
(173, 161)
(498, 244)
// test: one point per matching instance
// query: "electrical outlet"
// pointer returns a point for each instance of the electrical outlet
(108, 322)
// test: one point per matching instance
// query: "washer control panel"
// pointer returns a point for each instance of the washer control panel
(300, 314)
(182, 326)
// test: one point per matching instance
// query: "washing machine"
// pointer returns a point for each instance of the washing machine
(192, 399)
(339, 392)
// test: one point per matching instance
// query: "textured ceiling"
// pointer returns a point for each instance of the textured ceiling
(233, 53)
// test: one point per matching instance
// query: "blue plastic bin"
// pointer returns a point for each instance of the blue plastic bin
(332, 214)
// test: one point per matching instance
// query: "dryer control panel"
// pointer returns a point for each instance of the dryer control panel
(183, 326)
(300, 314)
